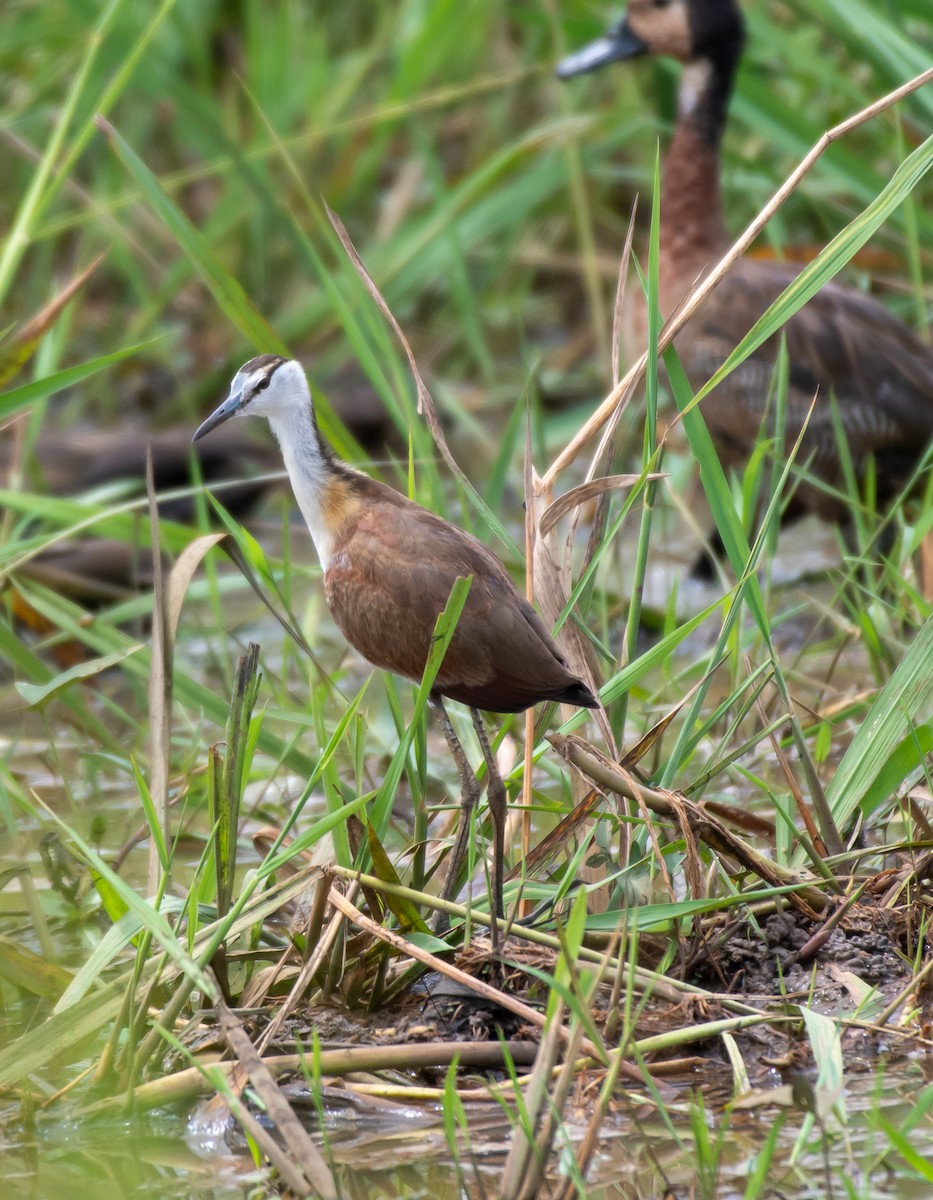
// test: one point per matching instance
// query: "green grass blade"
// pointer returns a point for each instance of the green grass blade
(828, 262)
(230, 296)
(17, 399)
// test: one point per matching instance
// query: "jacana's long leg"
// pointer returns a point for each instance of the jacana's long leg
(498, 810)
(469, 794)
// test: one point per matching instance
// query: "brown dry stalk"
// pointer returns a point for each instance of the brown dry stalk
(591, 490)
(160, 692)
(702, 825)
(522, 1173)
(24, 340)
(552, 587)
(303, 1156)
(524, 907)
(791, 779)
(487, 991)
(426, 405)
(289, 1171)
(618, 310)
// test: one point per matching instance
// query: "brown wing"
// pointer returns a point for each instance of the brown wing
(390, 576)
(843, 344)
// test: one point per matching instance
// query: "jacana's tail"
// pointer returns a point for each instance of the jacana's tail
(578, 693)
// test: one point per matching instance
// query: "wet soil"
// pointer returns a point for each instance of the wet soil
(788, 953)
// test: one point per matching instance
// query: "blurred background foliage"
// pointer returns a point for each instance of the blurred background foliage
(488, 200)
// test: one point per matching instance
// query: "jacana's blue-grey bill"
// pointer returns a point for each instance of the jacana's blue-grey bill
(619, 43)
(223, 412)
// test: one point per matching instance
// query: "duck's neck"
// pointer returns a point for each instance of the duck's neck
(318, 479)
(692, 231)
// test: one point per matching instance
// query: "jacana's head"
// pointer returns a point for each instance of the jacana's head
(688, 30)
(266, 386)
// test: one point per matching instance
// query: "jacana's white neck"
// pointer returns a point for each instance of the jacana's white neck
(308, 469)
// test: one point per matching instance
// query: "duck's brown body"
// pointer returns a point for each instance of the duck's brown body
(841, 345)
(388, 578)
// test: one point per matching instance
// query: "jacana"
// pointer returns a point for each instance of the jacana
(842, 346)
(389, 566)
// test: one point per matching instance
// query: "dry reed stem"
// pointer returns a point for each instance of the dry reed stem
(592, 489)
(190, 1083)
(304, 1157)
(604, 450)
(524, 907)
(693, 820)
(289, 1172)
(23, 341)
(553, 1114)
(522, 1173)
(160, 691)
(426, 405)
(487, 991)
(791, 779)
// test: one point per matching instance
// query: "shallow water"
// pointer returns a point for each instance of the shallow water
(409, 1155)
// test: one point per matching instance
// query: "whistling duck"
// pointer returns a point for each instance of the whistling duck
(842, 343)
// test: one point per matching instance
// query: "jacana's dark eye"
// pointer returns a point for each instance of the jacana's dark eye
(263, 384)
